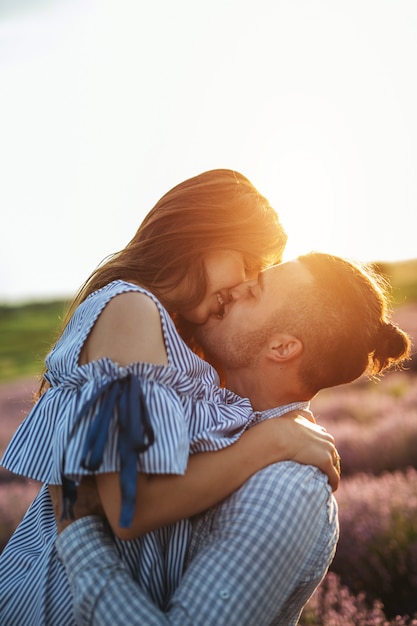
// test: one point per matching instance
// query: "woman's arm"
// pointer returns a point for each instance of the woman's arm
(212, 476)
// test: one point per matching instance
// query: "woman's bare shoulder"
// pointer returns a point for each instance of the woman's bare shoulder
(128, 330)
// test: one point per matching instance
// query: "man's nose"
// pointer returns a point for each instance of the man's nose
(240, 290)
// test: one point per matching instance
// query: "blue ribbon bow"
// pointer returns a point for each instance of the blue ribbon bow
(123, 397)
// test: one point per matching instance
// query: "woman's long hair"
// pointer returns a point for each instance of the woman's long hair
(216, 210)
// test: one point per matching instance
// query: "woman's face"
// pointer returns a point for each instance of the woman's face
(225, 269)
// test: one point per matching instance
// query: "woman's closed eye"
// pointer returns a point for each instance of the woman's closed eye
(256, 287)
(251, 291)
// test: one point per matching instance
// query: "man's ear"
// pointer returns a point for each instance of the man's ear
(283, 348)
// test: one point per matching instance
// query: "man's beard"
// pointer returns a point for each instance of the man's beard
(233, 351)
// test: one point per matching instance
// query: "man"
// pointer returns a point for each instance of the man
(256, 558)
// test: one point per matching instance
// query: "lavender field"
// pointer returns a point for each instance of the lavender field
(373, 579)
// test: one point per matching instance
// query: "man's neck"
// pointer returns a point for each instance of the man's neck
(263, 391)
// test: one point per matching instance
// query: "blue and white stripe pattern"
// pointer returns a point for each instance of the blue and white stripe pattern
(188, 413)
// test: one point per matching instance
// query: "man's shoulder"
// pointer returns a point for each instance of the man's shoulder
(288, 477)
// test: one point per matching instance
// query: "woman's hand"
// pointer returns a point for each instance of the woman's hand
(87, 503)
(306, 442)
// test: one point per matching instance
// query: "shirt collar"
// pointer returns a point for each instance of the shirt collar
(260, 416)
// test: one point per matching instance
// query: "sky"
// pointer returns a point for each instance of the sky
(104, 106)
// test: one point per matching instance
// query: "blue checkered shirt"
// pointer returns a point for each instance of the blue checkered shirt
(253, 560)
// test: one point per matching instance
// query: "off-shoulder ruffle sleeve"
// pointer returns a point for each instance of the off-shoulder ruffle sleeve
(104, 418)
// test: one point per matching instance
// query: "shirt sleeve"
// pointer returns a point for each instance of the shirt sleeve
(144, 394)
(104, 593)
(77, 424)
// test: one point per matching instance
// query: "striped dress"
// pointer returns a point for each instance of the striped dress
(100, 417)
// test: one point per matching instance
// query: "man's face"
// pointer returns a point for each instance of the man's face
(235, 340)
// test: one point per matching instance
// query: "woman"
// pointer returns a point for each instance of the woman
(129, 402)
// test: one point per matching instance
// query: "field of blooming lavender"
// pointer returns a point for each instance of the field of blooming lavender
(373, 579)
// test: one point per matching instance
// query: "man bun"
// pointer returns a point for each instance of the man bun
(392, 347)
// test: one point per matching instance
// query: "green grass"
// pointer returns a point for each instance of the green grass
(26, 335)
